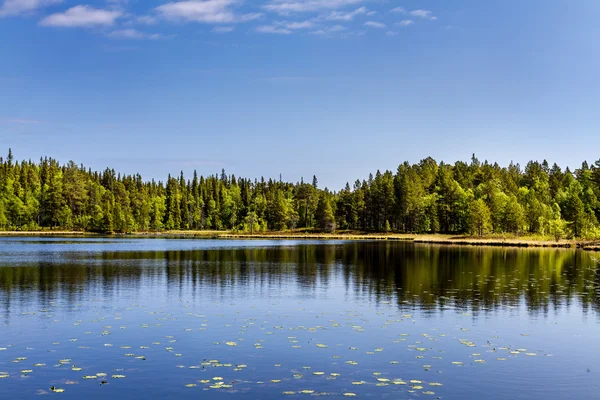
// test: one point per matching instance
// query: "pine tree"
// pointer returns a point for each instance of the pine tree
(324, 214)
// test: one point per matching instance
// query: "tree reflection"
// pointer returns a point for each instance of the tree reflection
(430, 278)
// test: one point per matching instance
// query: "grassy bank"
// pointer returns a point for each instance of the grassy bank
(488, 240)
(47, 233)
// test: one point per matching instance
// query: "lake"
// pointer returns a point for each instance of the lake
(168, 318)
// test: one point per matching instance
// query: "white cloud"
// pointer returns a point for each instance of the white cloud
(133, 34)
(12, 8)
(82, 16)
(350, 34)
(346, 15)
(126, 34)
(273, 29)
(206, 11)
(223, 29)
(405, 22)
(119, 3)
(295, 24)
(425, 14)
(329, 30)
(286, 7)
(249, 17)
(391, 33)
(374, 24)
(146, 20)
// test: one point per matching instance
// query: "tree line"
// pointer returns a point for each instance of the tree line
(428, 197)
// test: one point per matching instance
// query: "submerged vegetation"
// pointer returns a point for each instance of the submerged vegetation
(474, 198)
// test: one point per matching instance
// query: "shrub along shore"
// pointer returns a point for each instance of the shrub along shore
(438, 239)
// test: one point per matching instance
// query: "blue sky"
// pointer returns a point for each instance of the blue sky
(336, 88)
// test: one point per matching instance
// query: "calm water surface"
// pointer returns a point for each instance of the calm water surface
(154, 318)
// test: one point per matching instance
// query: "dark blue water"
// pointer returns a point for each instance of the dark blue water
(154, 318)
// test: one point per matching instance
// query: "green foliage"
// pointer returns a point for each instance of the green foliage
(251, 223)
(480, 220)
(557, 228)
(324, 214)
(3, 219)
(514, 216)
(476, 198)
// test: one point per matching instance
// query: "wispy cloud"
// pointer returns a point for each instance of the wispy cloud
(11, 8)
(405, 22)
(273, 29)
(205, 11)
(329, 30)
(346, 15)
(133, 34)
(375, 24)
(286, 7)
(425, 14)
(290, 16)
(223, 29)
(293, 25)
(146, 20)
(82, 16)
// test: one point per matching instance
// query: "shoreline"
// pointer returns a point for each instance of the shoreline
(438, 239)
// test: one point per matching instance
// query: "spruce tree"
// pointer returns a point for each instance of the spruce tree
(324, 214)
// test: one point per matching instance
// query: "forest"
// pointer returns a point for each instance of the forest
(475, 198)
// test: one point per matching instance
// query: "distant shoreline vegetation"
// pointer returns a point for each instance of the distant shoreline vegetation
(476, 199)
